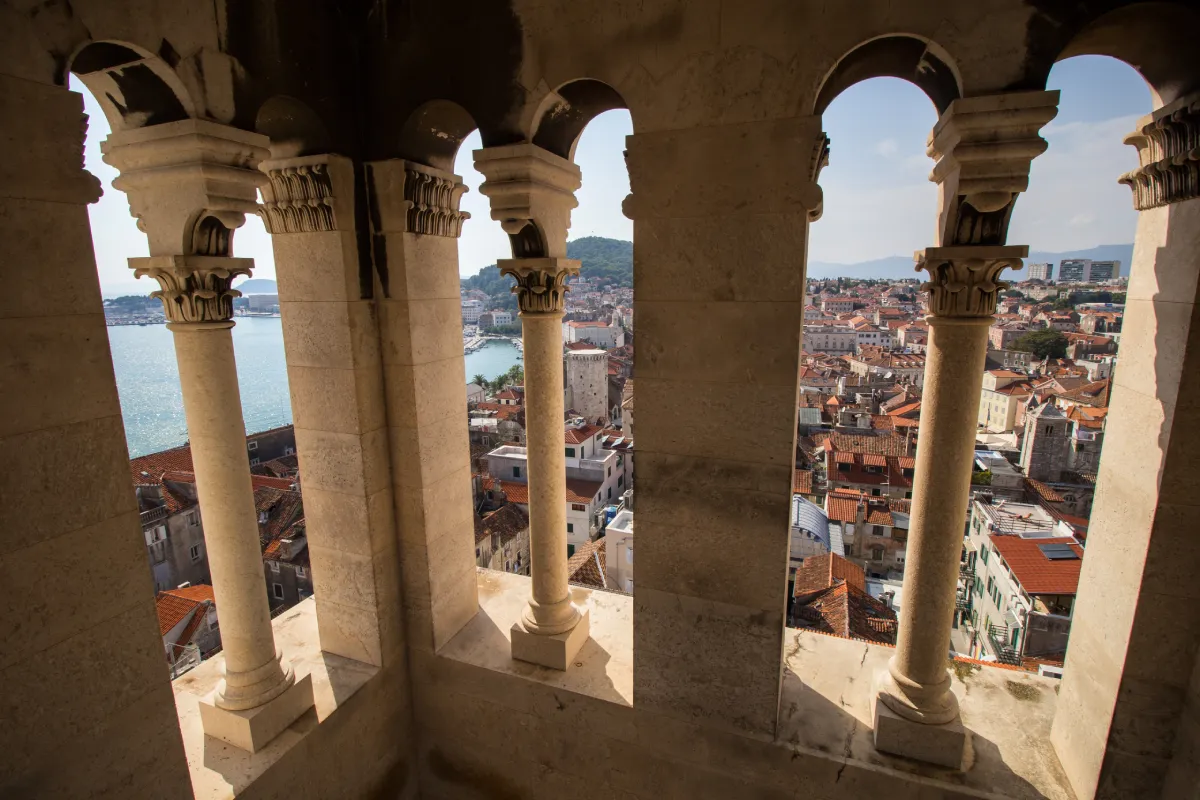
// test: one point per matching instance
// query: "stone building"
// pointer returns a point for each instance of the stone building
(1046, 445)
(587, 385)
(402, 674)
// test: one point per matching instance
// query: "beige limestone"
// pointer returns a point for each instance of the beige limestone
(253, 729)
(915, 691)
(1122, 725)
(420, 347)
(254, 674)
(531, 192)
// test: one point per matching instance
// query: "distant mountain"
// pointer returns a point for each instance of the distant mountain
(257, 286)
(603, 258)
(903, 266)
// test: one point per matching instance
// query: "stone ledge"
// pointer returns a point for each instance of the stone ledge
(825, 712)
(221, 771)
(603, 667)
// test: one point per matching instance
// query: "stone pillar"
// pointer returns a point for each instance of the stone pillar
(963, 290)
(415, 224)
(335, 375)
(983, 147)
(1128, 716)
(721, 216)
(190, 184)
(88, 707)
(532, 192)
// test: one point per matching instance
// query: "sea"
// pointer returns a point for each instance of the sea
(152, 403)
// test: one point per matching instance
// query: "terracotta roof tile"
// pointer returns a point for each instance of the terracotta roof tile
(802, 481)
(173, 605)
(1036, 573)
(588, 565)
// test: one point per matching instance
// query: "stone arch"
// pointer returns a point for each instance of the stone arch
(134, 87)
(434, 132)
(918, 61)
(1156, 38)
(294, 128)
(566, 112)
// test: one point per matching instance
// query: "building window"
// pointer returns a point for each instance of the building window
(875, 493)
(570, 452)
(570, 548)
(877, 530)
(251, 446)
(578, 507)
(274, 566)
(254, 462)
(195, 552)
(192, 519)
(610, 472)
(570, 529)
(291, 451)
(877, 554)
(610, 493)
(516, 472)
(300, 573)
(620, 481)
(277, 589)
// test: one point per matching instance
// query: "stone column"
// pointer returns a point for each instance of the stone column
(190, 184)
(983, 147)
(963, 290)
(532, 193)
(1127, 723)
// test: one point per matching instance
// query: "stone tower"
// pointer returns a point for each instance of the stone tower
(1045, 449)
(587, 384)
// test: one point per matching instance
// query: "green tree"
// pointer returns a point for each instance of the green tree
(1043, 344)
(479, 380)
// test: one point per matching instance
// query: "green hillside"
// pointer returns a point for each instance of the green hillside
(607, 259)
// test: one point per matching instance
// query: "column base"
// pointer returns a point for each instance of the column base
(944, 744)
(255, 728)
(556, 651)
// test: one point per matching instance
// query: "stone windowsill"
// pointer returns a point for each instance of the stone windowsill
(220, 771)
(825, 703)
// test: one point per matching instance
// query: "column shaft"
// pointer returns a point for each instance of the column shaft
(550, 611)
(212, 404)
(953, 378)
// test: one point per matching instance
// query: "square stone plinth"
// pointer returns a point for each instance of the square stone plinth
(944, 745)
(555, 651)
(254, 728)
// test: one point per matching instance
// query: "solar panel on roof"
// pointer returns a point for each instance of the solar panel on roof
(1057, 552)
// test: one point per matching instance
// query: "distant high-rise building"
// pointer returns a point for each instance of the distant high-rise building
(1041, 272)
(1074, 270)
(1104, 271)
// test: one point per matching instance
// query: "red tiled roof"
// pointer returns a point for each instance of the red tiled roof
(258, 481)
(818, 573)
(581, 491)
(1036, 573)
(802, 481)
(588, 565)
(887, 445)
(1047, 493)
(582, 434)
(505, 523)
(516, 492)
(851, 613)
(173, 605)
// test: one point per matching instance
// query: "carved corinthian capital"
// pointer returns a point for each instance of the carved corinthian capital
(194, 288)
(432, 197)
(983, 147)
(1168, 145)
(299, 197)
(964, 281)
(541, 282)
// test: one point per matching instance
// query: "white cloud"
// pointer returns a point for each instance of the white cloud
(887, 148)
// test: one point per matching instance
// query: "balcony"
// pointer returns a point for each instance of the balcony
(153, 516)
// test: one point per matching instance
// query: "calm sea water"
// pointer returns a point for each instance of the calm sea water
(152, 403)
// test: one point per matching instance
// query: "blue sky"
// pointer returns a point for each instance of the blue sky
(878, 199)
